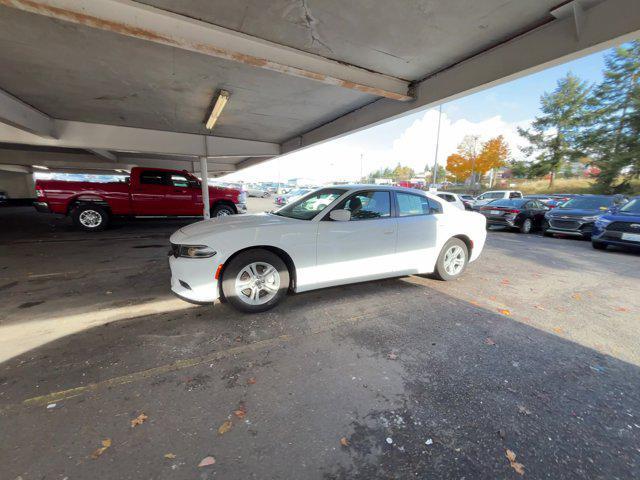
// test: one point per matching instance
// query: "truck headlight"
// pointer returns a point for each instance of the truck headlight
(196, 251)
(242, 198)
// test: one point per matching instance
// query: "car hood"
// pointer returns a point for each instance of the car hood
(230, 222)
(622, 217)
(575, 212)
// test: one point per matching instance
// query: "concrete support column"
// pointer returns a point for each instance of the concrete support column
(204, 174)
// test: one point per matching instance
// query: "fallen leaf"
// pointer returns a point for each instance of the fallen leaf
(139, 420)
(106, 443)
(524, 410)
(539, 307)
(504, 311)
(518, 467)
(241, 412)
(170, 456)
(251, 381)
(621, 309)
(344, 442)
(206, 461)
(489, 341)
(225, 427)
(576, 296)
(392, 356)
(557, 330)
(505, 281)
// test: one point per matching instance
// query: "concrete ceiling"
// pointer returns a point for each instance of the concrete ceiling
(299, 72)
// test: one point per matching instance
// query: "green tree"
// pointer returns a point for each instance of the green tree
(552, 135)
(611, 136)
(519, 168)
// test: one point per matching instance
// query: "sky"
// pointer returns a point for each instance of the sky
(411, 140)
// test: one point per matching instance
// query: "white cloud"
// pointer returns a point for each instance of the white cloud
(415, 147)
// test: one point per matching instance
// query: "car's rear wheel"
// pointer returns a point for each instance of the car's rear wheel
(526, 226)
(255, 280)
(91, 218)
(452, 260)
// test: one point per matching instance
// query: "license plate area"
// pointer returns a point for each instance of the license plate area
(633, 237)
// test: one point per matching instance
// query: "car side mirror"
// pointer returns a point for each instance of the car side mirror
(340, 215)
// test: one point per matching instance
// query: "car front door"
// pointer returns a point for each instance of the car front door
(418, 219)
(181, 196)
(359, 249)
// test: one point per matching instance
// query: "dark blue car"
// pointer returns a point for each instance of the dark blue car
(620, 226)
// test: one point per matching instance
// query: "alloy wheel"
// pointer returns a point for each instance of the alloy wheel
(257, 283)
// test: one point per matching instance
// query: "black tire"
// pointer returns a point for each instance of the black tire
(266, 195)
(527, 226)
(440, 272)
(90, 217)
(598, 245)
(238, 264)
(222, 211)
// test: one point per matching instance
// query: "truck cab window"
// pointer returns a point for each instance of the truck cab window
(152, 178)
(179, 181)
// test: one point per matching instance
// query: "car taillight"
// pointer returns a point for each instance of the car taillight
(513, 211)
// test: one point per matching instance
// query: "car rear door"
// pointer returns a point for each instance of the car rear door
(149, 193)
(418, 219)
(359, 249)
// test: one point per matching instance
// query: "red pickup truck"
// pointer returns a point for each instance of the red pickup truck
(146, 192)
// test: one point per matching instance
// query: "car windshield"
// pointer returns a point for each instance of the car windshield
(310, 205)
(516, 202)
(589, 203)
(632, 207)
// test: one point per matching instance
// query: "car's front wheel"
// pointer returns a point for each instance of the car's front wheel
(452, 260)
(255, 280)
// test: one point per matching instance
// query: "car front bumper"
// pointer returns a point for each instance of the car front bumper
(573, 227)
(193, 279)
(241, 207)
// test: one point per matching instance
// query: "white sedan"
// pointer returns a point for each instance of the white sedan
(331, 236)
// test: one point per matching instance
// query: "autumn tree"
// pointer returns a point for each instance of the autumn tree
(611, 136)
(494, 154)
(462, 163)
(459, 166)
(552, 135)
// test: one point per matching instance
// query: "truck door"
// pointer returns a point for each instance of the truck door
(181, 196)
(149, 193)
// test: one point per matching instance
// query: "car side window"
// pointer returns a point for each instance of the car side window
(151, 177)
(447, 197)
(367, 205)
(179, 180)
(515, 195)
(410, 205)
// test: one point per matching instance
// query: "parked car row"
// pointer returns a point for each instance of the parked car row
(604, 219)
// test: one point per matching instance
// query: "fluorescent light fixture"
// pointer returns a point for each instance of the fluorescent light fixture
(221, 101)
(40, 167)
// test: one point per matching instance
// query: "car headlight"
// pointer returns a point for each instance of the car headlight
(196, 251)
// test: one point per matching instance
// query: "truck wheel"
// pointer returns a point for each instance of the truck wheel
(222, 211)
(90, 217)
(255, 280)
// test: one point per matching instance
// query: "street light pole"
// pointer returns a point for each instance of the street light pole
(435, 160)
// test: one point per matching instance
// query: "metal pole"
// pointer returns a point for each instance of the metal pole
(204, 174)
(435, 160)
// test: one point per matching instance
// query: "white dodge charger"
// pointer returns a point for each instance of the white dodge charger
(331, 236)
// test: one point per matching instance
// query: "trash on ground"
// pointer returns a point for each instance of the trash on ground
(518, 467)
(206, 461)
(225, 427)
(139, 420)
(106, 443)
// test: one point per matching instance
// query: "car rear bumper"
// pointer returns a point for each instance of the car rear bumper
(194, 280)
(42, 207)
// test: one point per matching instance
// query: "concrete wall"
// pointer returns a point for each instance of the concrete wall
(17, 185)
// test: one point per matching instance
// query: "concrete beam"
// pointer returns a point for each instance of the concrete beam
(602, 26)
(18, 114)
(95, 136)
(83, 162)
(148, 23)
(103, 154)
